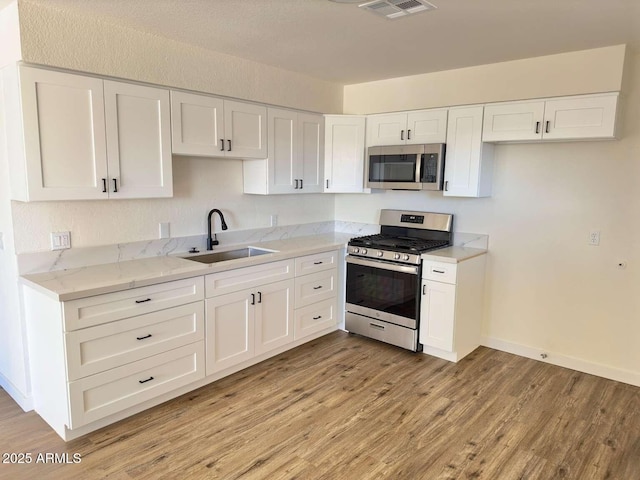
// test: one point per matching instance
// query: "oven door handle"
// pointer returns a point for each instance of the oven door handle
(365, 262)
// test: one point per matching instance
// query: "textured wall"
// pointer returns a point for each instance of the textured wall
(588, 71)
(63, 38)
(547, 289)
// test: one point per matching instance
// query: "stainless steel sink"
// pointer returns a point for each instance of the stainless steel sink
(216, 257)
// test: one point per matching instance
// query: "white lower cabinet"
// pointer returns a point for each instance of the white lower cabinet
(98, 356)
(243, 324)
(316, 293)
(451, 307)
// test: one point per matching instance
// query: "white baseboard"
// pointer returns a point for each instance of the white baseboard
(23, 401)
(581, 365)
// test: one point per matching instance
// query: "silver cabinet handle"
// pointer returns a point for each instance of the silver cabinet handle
(375, 325)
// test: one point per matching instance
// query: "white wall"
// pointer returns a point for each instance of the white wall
(587, 71)
(57, 36)
(13, 354)
(547, 289)
(10, 51)
(199, 185)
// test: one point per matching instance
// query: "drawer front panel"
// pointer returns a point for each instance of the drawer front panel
(316, 263)
(315, 287)
(90, 311)
(439, 271)
(314, 318)
(106, 393)
(249, 277)
(96, 349)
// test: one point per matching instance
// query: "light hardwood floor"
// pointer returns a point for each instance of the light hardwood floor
(345, 407)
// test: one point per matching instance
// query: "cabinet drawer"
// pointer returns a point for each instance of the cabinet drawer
(314, 318)
(439, 271)
(90, 311)
(106, 393)
(315, 287)
(249, 277)
(102, 347)
(316, 263)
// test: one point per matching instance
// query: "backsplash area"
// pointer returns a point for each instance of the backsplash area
(81, 257)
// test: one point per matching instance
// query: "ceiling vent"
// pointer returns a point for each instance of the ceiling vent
(397, 8)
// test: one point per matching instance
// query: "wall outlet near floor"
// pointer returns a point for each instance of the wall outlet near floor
(163, 230)
(274, 220)
(60, 240)
(594, 238)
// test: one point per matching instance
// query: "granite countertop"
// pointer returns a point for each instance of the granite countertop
(71, 284)
(453, 254)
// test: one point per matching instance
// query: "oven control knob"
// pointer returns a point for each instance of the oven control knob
(355, 250)
(363, 251)
(396, 256)
(379, 253)
(405, 257)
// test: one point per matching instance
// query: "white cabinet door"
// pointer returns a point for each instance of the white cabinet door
(520, 121)
(592, 116)
(197, 126)
(138, 141)
(229, 330)
(283, 132)
(274, 316)
(388, 129)
(469, 162)
(309, 165)
(427, 126)
(245, 128)
(64, 135)
(344, 154)
(437, 312)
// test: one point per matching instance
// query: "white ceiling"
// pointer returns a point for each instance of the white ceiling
(343, 43)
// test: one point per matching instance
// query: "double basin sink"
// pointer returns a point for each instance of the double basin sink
(216, 257)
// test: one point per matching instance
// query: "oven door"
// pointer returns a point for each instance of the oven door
(384, 291)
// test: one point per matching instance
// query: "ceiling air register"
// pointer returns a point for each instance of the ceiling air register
(397, 8)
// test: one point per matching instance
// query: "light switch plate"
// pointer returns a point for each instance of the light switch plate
(60, 240)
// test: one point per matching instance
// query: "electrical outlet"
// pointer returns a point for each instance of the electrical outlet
(594, 238)
(163, 229)
(274, 220)
(60, 240)
(1, 241)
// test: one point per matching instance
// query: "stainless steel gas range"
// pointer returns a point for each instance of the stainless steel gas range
(384, 275)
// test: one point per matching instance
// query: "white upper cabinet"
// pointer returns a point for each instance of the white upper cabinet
(344, 153)
(296, 155)
(565, 118)
(138, 141)
(209, 126)
(245, 127)
(421, 126)
(196, 124)
(469, 162)
(62, 133)
(83, 138)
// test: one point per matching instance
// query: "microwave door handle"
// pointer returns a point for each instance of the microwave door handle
(419, 167)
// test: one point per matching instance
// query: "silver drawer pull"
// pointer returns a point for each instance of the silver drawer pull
(146, 336)
(318, 317)
(142, 301)
(318, 287)
(145, 381)
(437, 271)
(375, 325)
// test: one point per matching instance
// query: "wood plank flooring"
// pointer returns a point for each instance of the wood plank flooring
(346, 407)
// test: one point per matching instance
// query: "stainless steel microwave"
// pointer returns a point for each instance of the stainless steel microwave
(405, 167)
